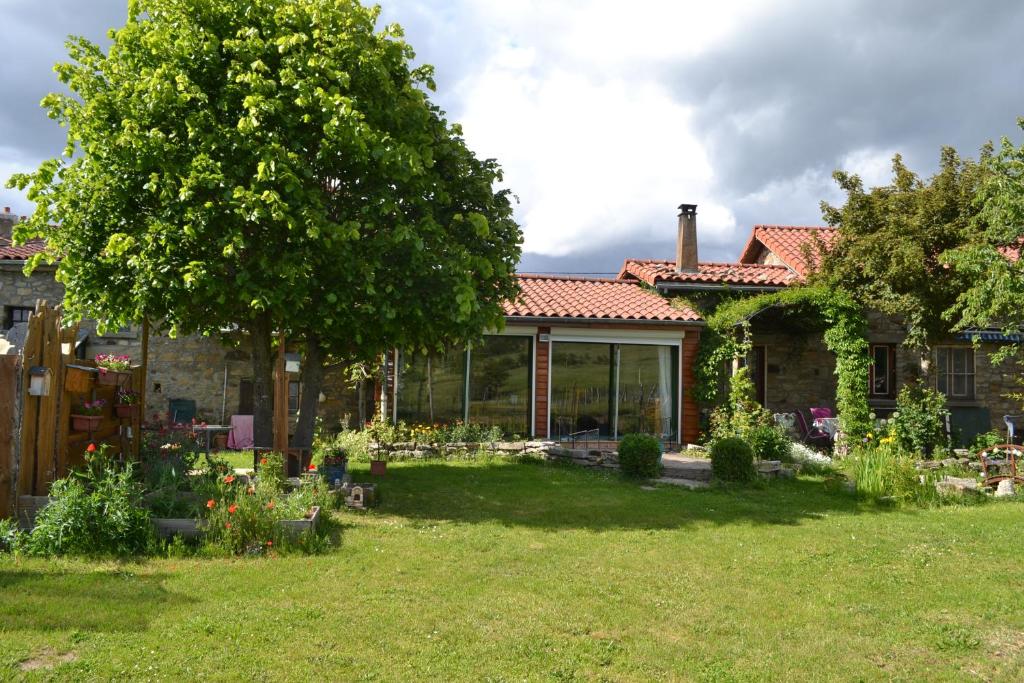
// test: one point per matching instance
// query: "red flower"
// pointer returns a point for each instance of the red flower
(232, 508)
(228, 479)
(270, 543)
(227, 525)
(312, 467)
(91, 448)
(263, 461)
(270, 505)
(210, 504)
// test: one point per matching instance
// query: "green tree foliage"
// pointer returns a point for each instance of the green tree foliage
(892, 238)
(990, 264)
(273, 166)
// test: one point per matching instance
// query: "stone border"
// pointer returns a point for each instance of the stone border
(545, 450)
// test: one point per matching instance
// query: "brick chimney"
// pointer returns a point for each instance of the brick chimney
(7, 221)
(686, 242)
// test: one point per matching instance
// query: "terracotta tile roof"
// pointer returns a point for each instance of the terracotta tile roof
(549, 296)
(787, 242)
(9, 252)
(654, 272)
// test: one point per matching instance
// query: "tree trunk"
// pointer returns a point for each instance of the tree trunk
(261, 337)
(311, 381)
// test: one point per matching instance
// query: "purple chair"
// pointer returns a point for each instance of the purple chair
(820, 413)
(813, 435)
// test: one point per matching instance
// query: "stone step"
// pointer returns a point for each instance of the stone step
(695, 471)
(686, 483)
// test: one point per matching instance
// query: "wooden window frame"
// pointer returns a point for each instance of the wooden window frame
(890, 371)
(945, 374)
(9, 312)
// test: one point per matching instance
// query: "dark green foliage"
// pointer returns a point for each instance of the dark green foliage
(732, 459)
(892, 238)
(95, 511)
(768, 442)
(640, 456)
(10, 536)
(919, 423)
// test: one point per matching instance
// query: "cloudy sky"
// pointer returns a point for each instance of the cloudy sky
(607, 115)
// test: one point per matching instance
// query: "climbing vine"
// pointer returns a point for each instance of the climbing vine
(728, 337)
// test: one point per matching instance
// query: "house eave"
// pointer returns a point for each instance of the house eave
(542, 320)
(699, 286)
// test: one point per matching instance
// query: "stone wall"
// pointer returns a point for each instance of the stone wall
(187, 367)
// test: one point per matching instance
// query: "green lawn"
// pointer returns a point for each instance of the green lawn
(502, 571)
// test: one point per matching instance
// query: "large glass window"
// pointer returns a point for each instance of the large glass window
(613, 389)
(499, 383)
(432, 388)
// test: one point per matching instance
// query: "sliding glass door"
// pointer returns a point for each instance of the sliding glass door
(613, 389)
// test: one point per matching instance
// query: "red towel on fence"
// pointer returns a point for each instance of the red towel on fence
(241, 436)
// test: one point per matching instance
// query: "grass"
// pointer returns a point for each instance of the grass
(500, 571)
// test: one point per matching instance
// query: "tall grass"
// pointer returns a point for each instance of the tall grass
(883, 472)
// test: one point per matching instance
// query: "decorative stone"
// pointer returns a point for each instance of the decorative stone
(1005, 488)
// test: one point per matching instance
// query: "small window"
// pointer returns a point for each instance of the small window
(883, 370)
(954, 371)
(16, 314)
(293, 397)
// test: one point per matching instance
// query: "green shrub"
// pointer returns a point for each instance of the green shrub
(10, 535)
(732, 459)
(884, 472)
(270, 472)
(95, 511)
(919, 423)
(640, 456)
(769, 442)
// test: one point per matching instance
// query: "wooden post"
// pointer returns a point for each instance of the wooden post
(9, 423)
(30, 406)
(143, 384)
(280, 401)
(46, 434)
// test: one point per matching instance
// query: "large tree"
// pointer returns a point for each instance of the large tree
(892, 238)
(990, 264)
(270, 166)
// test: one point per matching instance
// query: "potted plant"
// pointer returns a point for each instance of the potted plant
(87, 415)
(378, 466)
(113, 369)
(127, 403)
(334, 464)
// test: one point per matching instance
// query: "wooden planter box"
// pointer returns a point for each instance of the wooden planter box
(77, 380)
(85, 423)
(112, 378)
(378, 468)
(296, 527)
(167, 527)
(28, 508)
(126, 411)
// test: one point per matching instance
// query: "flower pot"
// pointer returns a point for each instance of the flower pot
(295, 527)
(112, 378)
(126, 410)
(85, 423)
(333, 473)
(378, 468)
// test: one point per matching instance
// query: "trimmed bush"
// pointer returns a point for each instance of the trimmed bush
(640, 456)
(732, 459)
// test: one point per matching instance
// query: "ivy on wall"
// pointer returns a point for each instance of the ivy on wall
(728, 337)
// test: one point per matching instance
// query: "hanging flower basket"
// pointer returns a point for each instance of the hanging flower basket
(125, 411)
(85, 423)
(112, 378)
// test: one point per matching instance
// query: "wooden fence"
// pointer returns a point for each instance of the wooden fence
(43, 446)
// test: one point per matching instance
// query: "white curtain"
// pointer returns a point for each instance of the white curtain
(665, 390)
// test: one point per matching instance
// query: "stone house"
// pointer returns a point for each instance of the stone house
(212, 377)
(793, 370)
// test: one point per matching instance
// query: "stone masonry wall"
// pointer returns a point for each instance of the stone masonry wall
(188, 367)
